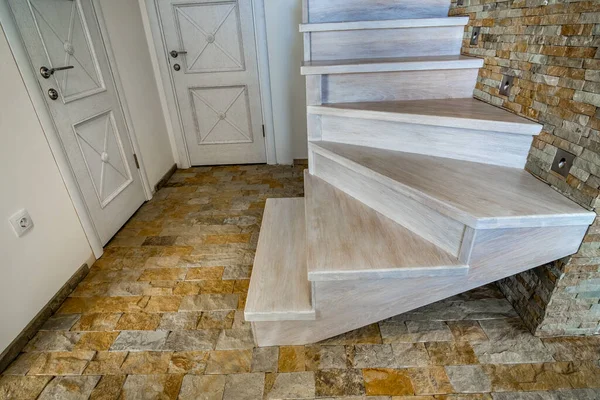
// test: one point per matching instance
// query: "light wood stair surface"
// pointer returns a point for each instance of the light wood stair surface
(348, 240)
(466, 113)
(390, 64)
(385, 24)
(279, 288)
(479, 195)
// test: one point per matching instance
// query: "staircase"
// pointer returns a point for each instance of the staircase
(415, 191)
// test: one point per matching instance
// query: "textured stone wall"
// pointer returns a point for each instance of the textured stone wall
(551, 48)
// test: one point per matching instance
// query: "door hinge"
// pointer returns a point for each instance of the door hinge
(263, 131)
(137, 163)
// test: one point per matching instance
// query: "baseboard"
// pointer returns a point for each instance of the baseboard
(301, 161)
(13, 349)
(163, 181)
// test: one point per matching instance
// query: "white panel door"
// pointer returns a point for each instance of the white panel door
(86, 111)
(216, 78)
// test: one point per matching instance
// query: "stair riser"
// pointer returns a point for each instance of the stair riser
(496, 148)
(344, 306)
(397, 86)
(319, 11)
(440, 230)
(385, 43)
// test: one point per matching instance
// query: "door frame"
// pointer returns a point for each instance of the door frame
(154, 35)
(28, 74)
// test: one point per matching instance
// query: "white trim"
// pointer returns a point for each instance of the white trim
(121, 97)
(41, 109)
(164, 80)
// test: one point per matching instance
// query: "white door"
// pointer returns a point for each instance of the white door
(215, 75)
(85, 108)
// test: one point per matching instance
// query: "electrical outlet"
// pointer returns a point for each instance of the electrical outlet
(21, 222)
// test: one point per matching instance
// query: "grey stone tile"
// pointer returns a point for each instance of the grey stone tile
(69, 388)
(294, 385)
(236, 272)
(179, 321)
(264, 359)
(374, 356)
(244, 386)
(468, 379)
(147, 387)
(202, 387)
(140, 341)
(505, 329)
(53, 341)
(325, 357)
(231, 339)
(429, 331)
(525, 396)
(60, 322)
(410, 355)
(192, 340)
(209, 302)
(516, 351)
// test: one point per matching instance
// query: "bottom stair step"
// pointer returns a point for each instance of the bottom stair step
(348, 240)
(279, 288)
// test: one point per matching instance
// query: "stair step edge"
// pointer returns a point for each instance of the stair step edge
(390, 65)
(583, 217)
(390, 273)
(384, 24)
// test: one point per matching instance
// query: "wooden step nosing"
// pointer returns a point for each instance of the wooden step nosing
(473, 221)
(516, 128)
(385, 24)
(389, 273)
(253, 316)
(396, 66)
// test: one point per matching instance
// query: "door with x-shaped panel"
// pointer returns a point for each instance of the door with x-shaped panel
(63, 37)
(211, 49)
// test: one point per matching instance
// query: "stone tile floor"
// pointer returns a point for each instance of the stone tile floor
(160, 316)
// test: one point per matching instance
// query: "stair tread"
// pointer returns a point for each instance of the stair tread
(279, 288)
(481, 196)
(456, 113)
(350, 241)
(384, 24)
(350, 66)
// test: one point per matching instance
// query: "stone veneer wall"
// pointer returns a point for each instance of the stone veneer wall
(551, 48)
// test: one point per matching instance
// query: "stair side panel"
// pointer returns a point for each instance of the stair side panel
(344, 306)
(398, 86)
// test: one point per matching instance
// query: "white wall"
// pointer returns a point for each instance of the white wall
(128, 41)
(287, 85)
(34, 267)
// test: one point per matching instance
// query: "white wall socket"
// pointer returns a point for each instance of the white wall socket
(21, 222)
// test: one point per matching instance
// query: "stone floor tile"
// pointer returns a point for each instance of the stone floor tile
(61, 363)
(574, 349)
(469, 379)
(207, 387)
(96, 341)
(429, 331)
(140, 341)
(138, 322)
(231, 339)
(325, 357)
(178, 321)
(339, 382)
(53, 341)
(143, 387)
(163, 274)
(210, 302)
(265, 359)
(450, 353)
(105, 363)
(97, 322)
(236, 272)
(369, 334)
(410, 355)
(146, 363)
(467, 331)
(216, 320)
(229, 362)
(188, 362)
(384, 381)
(62, 322)
(244, 387)
(22, 364)
(22, 387)
(70, 388)
(108, 388)
(527, 349)
(204, 273)
(505, 329)
(508, 377)
(192, 340)
(291, 359)
(215, 287)
(430, 380)
(526, 396)
(374, 356)
(159, 241)
(293, 385)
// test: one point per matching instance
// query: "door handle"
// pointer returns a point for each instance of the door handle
(175, 53)
(48, 72)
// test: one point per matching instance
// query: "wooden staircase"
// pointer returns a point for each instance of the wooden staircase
(415, 191)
